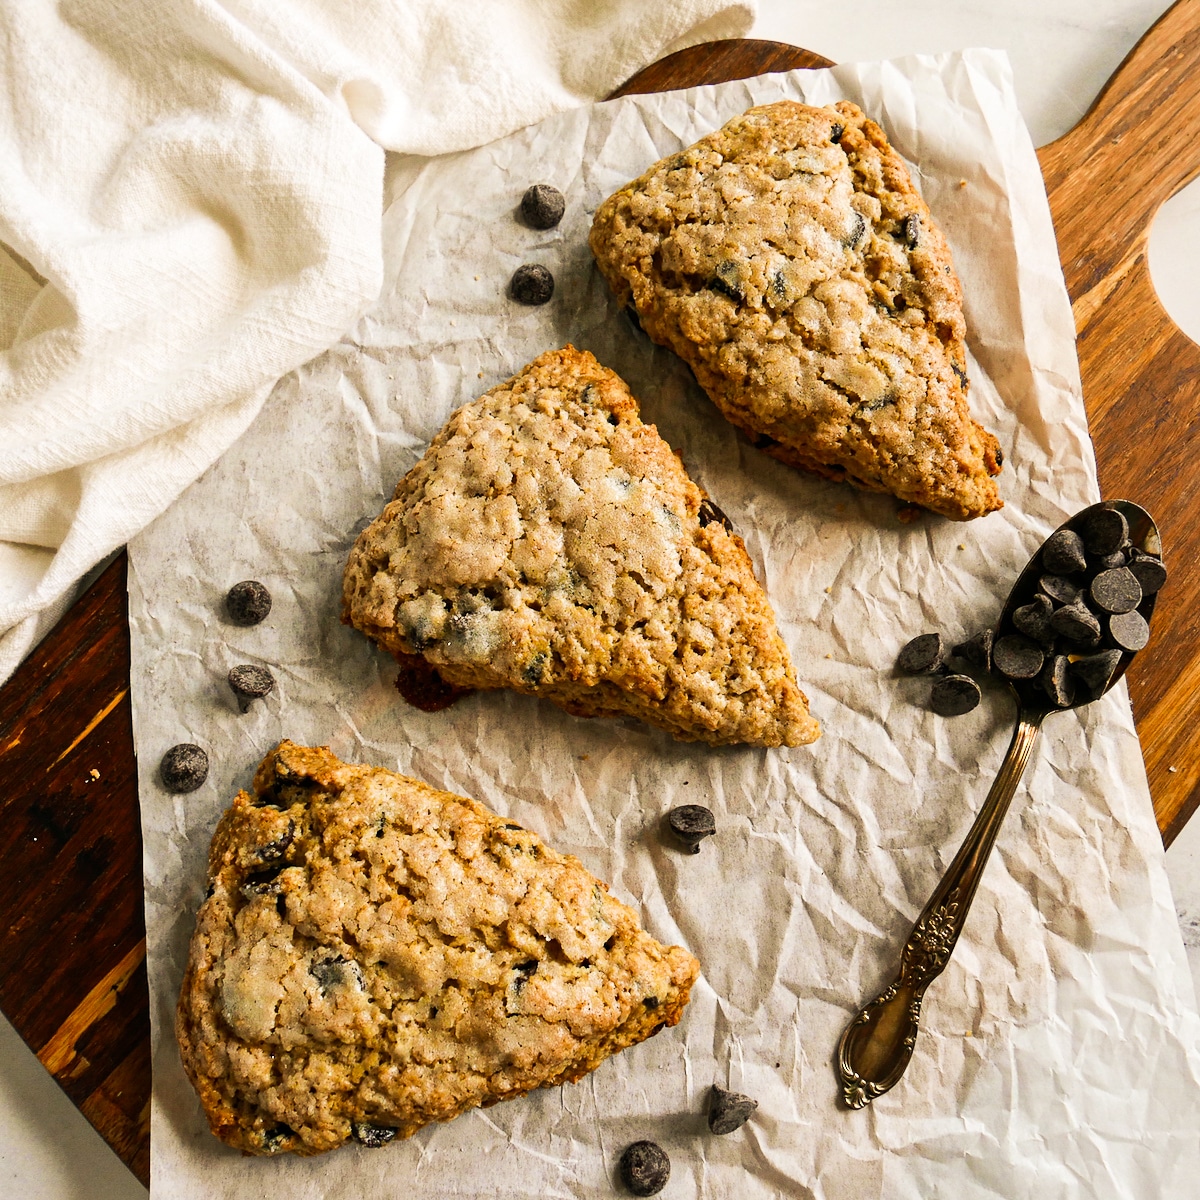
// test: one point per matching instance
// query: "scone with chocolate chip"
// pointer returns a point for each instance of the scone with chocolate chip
(550, 542)
(375, 954)
(791, 263)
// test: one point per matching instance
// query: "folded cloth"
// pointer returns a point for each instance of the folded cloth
(190, 203)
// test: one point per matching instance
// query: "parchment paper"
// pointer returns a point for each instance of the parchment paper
(1059, 1055)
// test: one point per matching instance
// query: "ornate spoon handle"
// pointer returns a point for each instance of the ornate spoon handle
(877, 1044)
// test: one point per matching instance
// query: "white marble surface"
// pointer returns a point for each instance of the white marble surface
(1062, 53)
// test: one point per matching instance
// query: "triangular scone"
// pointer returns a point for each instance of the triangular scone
(550, 542)
(375, 954)
(791, 263)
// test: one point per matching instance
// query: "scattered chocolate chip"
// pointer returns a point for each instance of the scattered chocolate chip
(1116, 590)
(709, 513)
(645, 1168)
(835, 133)
(1129, 630)
(373, 1136)
(912, 230)
(1057, 682)
(184, 768)
(691, 824)
(1104, 531)
(1017, 656)
(728, 1111)
(248, 602)
(543, 206)
(1149, 572)
(954, 695)
(531, 284)
(1076, 622)
(977, 650)
(1033, 619)
(1095, 670)
(923, 655)
(1063, 553)
(1058, 588)
(250, 683)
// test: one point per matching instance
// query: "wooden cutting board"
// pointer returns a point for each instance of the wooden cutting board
(72, 936)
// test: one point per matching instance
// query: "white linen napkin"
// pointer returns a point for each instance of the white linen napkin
(190, 204)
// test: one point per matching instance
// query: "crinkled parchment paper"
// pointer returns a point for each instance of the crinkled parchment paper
(1059, 1052)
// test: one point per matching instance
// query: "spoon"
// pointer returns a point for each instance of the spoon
(877, 1045)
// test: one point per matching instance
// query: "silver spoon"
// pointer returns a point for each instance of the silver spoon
(877, 1045)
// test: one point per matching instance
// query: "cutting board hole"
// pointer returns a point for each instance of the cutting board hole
(1174, 256)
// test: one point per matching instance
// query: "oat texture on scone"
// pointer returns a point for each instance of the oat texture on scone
(791, 263)
(550, 542)
(375, 954)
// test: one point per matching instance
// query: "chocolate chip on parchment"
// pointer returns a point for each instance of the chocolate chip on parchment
(184, 768)
(728, 1111)
(1104, 531)
(542, 206)
(373, 1136)
(923, 655)
(250, 683)
(645, 1168)
(1116, 590)
(1017, 656)
(1058, 588)
(531, 284)
(1076, 622)
(977, 650)
(1129, 630)
(248, 602)
(1149, 572)
(1063, 553)
(1057, 682)
(953, 695)
(691, 824)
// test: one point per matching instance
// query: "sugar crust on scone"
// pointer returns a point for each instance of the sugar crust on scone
(375, 951)
(790, 261)
(550, 542)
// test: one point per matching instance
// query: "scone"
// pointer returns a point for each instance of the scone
(791, 263)
(375, 954)
(550, 542)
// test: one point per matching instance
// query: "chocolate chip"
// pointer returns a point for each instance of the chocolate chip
(262, 883)
(1063, 553)
(1058, 588)
(535, 669)
(728, 1111)
(275, 850)
(1116, 591)
(858, 232)
(977, 650)
(335, 971)
(543, 206)
(183, 768)
(709, 513)
(1057, 682)
(531, 284)
(1076, 622)
(1017, 657)
(650, 1002)
(373, 1136)
(835, 132)
(275, 1140)
(923, 655)
(727, 281)
(1149, 572)
(1108, 562)
(250, 683)
(248, 602)
(1129, 630)
(645, 1168)
(1033, 619)
(1095, 670)
(1104, 530)
(912, 230)
(691, 824)
(954, 695)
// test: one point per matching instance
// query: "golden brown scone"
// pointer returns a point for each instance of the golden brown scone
(791, 263)
(552, 543)
(375, 954)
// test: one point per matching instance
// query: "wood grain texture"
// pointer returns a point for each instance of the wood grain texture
(72, 959)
